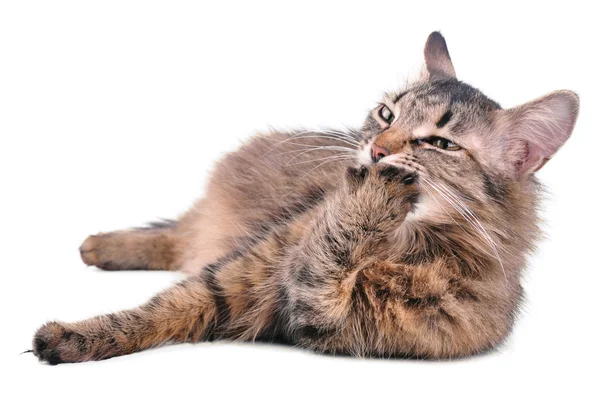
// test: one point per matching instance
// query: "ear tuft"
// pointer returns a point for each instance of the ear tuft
(437, 58)
(536, 130)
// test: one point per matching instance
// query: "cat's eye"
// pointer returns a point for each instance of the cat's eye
(441, 143)
(386, 114)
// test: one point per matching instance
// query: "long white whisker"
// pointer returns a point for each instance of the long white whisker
(325, 135)
(469, 212)
(301, 135)
(468, 215)
(353, 136)
(316, 147)
(331, 135)
(334, 159)
(322, 159)
(428, 189)
(304, 151)
(309, 146)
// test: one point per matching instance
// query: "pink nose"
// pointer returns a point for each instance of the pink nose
(378, 152)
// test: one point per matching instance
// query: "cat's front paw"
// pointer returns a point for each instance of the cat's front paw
(393, 178)
(56, 343)
(400, 184)
(384, 189)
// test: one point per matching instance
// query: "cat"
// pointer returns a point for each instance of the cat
(406, 238)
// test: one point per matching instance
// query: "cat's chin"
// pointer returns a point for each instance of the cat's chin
(425, 211)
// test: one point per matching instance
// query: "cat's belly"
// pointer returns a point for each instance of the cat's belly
(272, 178)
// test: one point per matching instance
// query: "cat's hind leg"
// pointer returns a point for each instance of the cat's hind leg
(239, 297)
(184, 313)
(157, 247)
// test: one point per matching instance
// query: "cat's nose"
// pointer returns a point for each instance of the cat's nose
(378, 152)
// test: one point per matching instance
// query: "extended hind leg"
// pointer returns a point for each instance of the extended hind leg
(239, 297)
(184, 313)
(154, 248)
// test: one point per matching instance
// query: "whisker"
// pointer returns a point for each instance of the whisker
(350, 135)
(322, 134)
(469, 216)
(428, 190)
(295, 138)
(335, 159)
(466, 208)
(315, 148)
(304, 151)
(327, 157)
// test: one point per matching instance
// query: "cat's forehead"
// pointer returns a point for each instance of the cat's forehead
(426, 101)
(451, 91)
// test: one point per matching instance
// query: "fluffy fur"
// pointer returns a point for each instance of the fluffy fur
(383, 241)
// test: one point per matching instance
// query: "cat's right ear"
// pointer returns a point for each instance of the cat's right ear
(438, 64)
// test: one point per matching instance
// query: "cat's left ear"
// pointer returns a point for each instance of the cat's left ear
(534, 131)
(438, 64)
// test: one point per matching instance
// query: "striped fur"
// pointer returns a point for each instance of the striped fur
(303, 238)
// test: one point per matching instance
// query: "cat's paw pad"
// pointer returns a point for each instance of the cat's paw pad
(56, 343)
(399, 183)
(396, 174)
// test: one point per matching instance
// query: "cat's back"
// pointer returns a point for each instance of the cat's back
(271, 178)
(276, 170)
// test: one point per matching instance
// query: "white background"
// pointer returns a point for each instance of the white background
(112, 114)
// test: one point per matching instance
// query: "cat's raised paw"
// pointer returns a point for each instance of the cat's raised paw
(395, 174)
(396, 180)
(400, 183)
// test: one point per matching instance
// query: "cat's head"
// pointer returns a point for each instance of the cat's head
(468, 152)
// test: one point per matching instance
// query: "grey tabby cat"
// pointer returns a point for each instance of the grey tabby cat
(405, 238)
